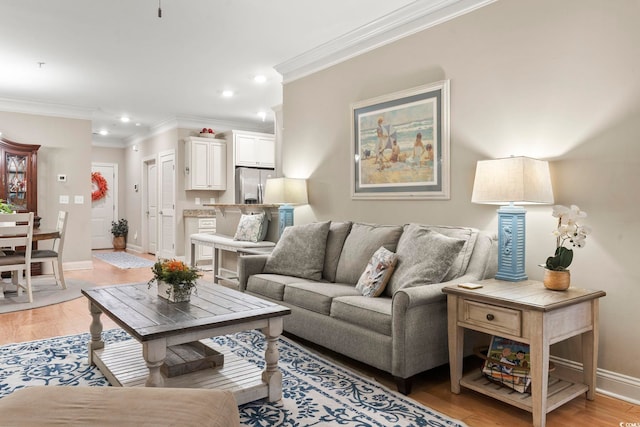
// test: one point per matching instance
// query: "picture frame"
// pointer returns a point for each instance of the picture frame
(400, 145)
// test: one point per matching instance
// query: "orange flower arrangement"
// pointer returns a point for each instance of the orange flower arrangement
(175, 273)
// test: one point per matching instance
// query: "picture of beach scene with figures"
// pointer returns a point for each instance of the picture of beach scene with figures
(398, 145)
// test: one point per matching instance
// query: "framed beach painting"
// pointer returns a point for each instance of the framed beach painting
(400, 145)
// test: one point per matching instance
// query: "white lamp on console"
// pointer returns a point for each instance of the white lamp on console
(287, 192)
(509, 182)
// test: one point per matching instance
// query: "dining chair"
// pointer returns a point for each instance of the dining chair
(54, 255)
(16, 230)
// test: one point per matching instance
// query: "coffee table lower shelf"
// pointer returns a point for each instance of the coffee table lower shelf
(559, 391)
(123, 366)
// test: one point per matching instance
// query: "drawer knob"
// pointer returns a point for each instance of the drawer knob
(490, 317)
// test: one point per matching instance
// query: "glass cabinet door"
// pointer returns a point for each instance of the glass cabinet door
(15, 181)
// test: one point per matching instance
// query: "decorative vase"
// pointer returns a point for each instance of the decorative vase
(119, 243)
(557, 280)
(168, 292)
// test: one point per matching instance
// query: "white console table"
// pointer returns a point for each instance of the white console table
(220, 244)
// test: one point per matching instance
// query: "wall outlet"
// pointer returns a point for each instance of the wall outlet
(197, 200)
(64, 200)
(78, 200)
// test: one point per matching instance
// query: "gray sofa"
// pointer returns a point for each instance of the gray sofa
(314, 270)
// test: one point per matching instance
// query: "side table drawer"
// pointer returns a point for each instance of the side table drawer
(491, 318)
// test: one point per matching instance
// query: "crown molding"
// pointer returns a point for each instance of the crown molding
(194, 122)
(46, 109)
(408, 20)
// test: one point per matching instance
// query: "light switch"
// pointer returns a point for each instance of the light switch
(62, 178)
(78, 200)
(64, 200)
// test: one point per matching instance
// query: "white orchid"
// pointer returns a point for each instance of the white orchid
(568, 231)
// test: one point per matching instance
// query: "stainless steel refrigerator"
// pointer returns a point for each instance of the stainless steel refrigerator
(250, 184)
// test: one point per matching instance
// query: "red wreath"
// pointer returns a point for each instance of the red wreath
(101, 183)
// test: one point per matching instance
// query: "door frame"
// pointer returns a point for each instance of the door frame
(146, 162)
(114, 190)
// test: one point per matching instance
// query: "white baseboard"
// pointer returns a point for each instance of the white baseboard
(609, 383)
(77, 265)
(134, 248)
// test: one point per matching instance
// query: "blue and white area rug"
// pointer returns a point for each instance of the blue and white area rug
(123, 260)
(316, 392)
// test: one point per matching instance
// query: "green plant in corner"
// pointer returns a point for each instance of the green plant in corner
(120, 228)
(568, 232)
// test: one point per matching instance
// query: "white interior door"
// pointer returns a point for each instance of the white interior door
(151, 212)
(166, 203)
(104, 210)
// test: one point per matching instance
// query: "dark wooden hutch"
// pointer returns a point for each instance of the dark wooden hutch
(19, 172)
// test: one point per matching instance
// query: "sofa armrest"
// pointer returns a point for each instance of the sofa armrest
(405, 298)
(419, 327)
(249, 265)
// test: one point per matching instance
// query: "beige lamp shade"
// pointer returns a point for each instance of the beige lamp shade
(517, 180)
(290, 191)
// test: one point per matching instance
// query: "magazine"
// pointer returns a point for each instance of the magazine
(508, 363)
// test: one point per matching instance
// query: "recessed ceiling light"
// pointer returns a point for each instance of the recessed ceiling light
(103, 132)
(125, 119)
(260, 78)
(137, 124)
(227, 93)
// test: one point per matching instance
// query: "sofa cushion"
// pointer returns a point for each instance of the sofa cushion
(316, 296)
(373, 314)
(338, 232)
(300, 251)
(424, 257)
(363, 240)
(377, 273)
(470, 235)
(271, 285)
(250, 228)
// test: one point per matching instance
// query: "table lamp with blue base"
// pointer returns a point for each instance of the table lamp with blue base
(511, 181)
(287, 192)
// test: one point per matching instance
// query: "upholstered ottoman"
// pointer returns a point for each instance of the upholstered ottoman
(118, 406)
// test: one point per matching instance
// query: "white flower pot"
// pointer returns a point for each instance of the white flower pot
(167, 292)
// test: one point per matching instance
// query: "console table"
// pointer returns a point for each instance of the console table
(529, 313)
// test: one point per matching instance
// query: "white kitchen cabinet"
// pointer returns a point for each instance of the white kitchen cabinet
(204, 254)
(254, 149)
(206, 167)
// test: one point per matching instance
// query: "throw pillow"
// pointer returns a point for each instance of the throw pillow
(300, 251)
(378, 272)
(335, 240)
(250, 228)
(361, 243)
(424, 257)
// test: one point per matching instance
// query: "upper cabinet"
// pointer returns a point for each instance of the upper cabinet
(205, 167)
(253, 149)
(19, 175)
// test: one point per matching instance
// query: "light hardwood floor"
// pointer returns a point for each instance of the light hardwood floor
(431, 388)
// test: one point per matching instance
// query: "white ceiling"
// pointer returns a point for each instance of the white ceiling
(103, 59)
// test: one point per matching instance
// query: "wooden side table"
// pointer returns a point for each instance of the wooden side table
(527, 312)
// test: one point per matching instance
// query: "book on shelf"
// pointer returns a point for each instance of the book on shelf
(508, 363)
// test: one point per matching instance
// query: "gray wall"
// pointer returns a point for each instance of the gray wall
(65, 149)
(555, 80)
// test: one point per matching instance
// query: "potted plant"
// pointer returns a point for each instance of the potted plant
(568, 233)
(119, 230)
(175, 279)
(6, 207)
